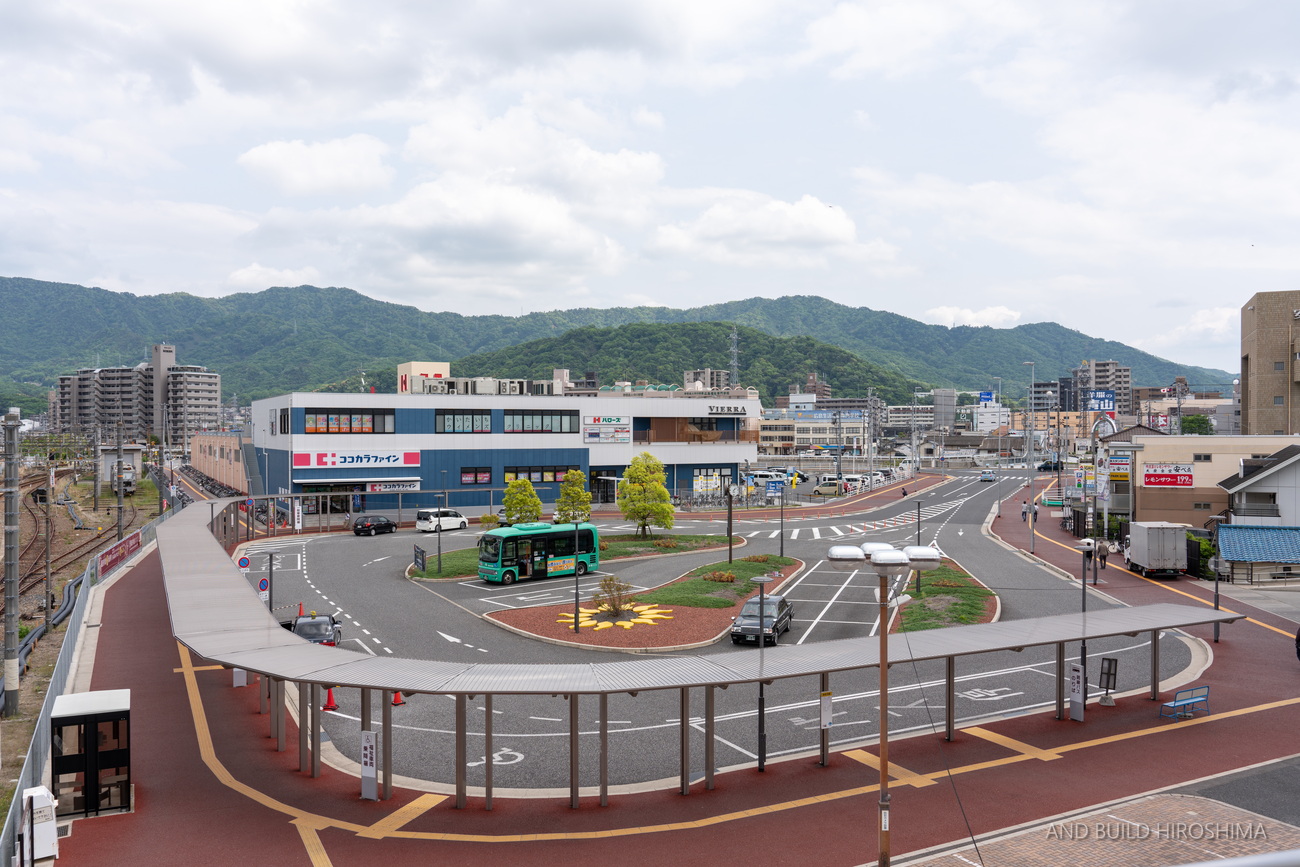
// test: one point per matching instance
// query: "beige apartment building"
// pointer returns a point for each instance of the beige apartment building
(1177, 477)
(160, 398)
(1270, 364)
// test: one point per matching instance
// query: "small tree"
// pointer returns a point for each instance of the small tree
(614, 596)
(642, 496)
(522, 503)
(1196, 424)
(573, 506)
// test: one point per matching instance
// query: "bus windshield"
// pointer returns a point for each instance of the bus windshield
(489, 549)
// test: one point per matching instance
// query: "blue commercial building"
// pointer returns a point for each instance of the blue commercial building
(463, 449)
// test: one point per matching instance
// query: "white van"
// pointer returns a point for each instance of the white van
(761, 476)
(437, 520)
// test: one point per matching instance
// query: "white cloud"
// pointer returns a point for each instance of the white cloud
(996, 317)
(257, 277)
(752, 230)
(343, 166)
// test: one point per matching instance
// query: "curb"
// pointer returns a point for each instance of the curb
(799, 567)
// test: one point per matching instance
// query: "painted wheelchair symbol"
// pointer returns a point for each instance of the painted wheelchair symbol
(505, 756)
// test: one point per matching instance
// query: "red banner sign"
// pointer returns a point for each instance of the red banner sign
(1167, 475)
(111, 558)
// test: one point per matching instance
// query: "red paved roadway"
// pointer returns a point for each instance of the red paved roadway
(186, 813)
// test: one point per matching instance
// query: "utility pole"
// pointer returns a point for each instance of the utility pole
(121, 484)
(11, 425)
(95, 452)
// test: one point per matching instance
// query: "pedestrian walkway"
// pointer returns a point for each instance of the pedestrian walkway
(210, 787)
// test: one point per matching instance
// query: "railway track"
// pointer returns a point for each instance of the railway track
(31, 558)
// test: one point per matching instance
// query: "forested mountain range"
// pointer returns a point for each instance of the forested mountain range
(306, 338)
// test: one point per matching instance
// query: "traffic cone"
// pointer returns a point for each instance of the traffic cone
(300, 611)
(329, 700)
(398, 701)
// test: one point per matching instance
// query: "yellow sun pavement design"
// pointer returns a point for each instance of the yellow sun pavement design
(650, 615)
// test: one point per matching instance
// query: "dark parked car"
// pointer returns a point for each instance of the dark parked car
(369, 525)
(778, 615)
(1053, 466)
(316, 628)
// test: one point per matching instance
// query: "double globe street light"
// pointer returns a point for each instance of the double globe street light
(889, 564)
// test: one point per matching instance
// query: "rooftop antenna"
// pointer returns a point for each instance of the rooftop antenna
(735, 356)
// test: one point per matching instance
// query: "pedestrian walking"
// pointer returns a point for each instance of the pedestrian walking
(1024, 510)
(1035, 513)
(1103, 550)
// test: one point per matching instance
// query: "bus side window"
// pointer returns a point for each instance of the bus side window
(561, 545)
(585, 545)
(508, 551)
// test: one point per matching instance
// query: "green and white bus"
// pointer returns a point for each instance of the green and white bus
(537, 550)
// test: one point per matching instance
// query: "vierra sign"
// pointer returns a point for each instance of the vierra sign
(1167, 475)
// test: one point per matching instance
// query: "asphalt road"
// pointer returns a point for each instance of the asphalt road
(362, 580)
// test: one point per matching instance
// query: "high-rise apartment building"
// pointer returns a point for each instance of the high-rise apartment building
(1105, 376)
(1270, 364)
(160, 398)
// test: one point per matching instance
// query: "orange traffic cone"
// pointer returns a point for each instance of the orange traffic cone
(300, 612)
(329, 700)
(398, 701)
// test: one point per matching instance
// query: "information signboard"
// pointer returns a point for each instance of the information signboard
(1078, 691)
(369, 767)
(1167, 475)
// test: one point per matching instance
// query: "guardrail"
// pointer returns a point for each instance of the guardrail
(72, 610)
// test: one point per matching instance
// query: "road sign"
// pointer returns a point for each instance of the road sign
(244, 563)
(264, 589)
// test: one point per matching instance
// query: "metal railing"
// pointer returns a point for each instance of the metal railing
(72, 611)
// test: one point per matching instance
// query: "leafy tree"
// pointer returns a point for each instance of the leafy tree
(642, 496)
(574, 502)
(522, 503)
(1197, 424)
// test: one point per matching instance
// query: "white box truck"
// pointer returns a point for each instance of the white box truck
(1157, 548)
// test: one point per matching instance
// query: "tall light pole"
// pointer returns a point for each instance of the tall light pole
(12, 421)
(762, 582)
(999, 402)
(888, 563)
(1033, 470)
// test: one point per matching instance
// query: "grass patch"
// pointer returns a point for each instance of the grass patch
(464, 562)
(696, 591)
(948, 597)
(455, 564)
(630, 545)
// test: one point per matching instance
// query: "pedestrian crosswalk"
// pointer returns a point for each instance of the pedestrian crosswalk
(814, 533)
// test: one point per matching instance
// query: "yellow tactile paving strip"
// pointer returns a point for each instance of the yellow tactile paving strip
(391, 827)
(1155, 831)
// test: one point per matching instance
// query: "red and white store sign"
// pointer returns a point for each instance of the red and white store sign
(1167, 475)
(306, 460)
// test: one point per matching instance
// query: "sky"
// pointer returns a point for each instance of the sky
(1130, 170)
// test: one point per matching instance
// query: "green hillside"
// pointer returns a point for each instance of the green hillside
(303, 338)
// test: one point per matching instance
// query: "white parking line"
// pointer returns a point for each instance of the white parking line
(813, 624)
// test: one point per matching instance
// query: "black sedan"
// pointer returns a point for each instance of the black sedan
(778, 615)
(369, 525)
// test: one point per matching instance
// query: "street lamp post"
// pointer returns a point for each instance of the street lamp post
(783, 487)
(1033, 471)
(762, 582)
(888, 563)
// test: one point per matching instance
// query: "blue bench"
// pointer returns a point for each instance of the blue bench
(1186, 702)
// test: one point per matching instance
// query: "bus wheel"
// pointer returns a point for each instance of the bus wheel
(582, 568)
(507, 577)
